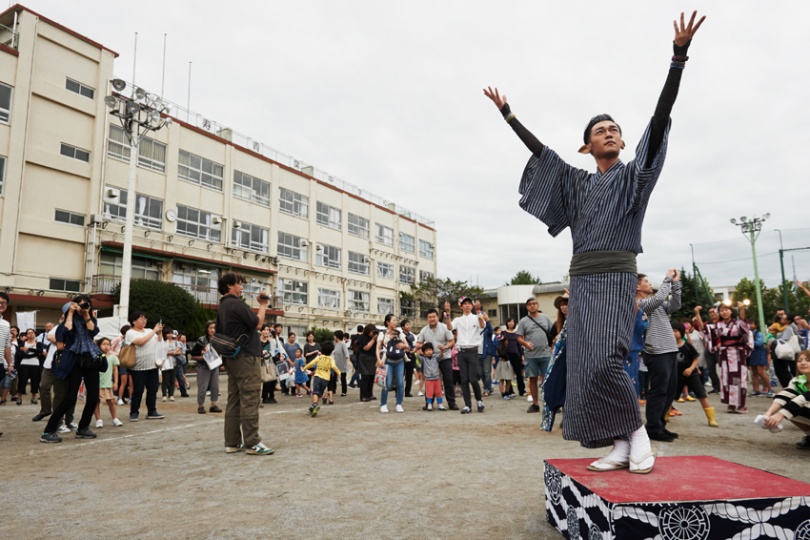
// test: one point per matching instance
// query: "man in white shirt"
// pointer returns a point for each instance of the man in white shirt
(468, 327)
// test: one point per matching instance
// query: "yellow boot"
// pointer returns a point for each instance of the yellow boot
(710, 415)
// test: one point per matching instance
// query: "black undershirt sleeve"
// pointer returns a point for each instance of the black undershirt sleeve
(664, 107)
(531, 142)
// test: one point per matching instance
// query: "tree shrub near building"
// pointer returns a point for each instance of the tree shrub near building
(322, 334)
(177, 308)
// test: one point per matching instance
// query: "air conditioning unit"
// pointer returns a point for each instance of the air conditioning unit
(365, 259)
(237, 224)
(112, 195)
(304, 243)
(318, 248)
(216, 220)
(96, 219)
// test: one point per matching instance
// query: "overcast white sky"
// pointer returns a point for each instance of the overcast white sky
(388, 96)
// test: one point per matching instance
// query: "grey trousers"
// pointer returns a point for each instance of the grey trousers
(206, 380)
(244, 396)
(45, 388)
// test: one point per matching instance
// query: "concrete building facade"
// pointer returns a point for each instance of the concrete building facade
(208, 201)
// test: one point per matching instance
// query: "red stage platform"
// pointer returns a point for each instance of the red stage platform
(683, 498)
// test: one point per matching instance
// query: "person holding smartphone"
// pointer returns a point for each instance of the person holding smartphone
(144, 373)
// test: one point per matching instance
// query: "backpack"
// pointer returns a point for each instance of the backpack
(392, 351)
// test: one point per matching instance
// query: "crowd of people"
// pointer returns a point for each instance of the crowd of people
(463, 356)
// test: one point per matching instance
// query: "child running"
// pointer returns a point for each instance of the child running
(301, 377)
(107, 384)
(431, 374)
(792, 403)
(688, 374)
(324, 365)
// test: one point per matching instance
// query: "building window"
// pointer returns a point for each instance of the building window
(152, 155)
(328, 256)
(2, 174)
(293, 203)
(148, 210)
(385, 235)
(197, 224)
(68, 285)
(110, 264)
(492, 313)
(5, 102)
(425, 249)
(385, 270)
(200, 282)
(72, 218)
(359, 301)
(251, 237)
(117, 143)
(423, 275)
(295, 292)
(407, 243)
(328, 216)
(199, 170)
(251, 188)
(75, 153)
(358, 226)
(79, 88)
(358, 263)
(407, 274)
(327, 298)
(385, 305)
(406, 308)
(292, 247)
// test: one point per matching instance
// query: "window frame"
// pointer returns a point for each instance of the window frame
(359, 231)
(407, 246)
(323, 215)
(79, 88)
(249, 229)
(5, 112)
(381, 275)
(321, 255)
(240, 187)
(407, 271)
(213, 234)
(184, 171)
(52, 281)
(70, 217)
(299, 202)
(141, 220)
(355, 266)
(73, 152)
(282, 247)
(364, 301)
(380, 237)
(426, 250)
(297, 296)
(391, 304)
(327, 298)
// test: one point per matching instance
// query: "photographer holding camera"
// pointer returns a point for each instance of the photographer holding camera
(77, 362)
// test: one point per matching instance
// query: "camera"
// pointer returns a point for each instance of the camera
(84, 305)
(264, 297)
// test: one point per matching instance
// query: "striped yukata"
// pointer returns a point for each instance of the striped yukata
(605, 212)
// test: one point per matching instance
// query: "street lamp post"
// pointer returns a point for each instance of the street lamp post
(139, 114)
(782, 267)
(751, 229)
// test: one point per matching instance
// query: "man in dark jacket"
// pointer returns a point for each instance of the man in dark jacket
(237, 321)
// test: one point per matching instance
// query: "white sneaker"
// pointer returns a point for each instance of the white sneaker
(171, 398)
(164, 398)
(119, 402)
(420, 394)
(99, 423)
(442, 407)
(384, 409)
(63, 429)
(430, 406)
(117, 422)
(400, 409)
(528, 398)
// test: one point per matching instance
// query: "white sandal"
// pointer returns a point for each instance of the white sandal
(642, 465)
(604, 465)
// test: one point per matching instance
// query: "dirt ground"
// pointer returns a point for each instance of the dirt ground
(351, 472)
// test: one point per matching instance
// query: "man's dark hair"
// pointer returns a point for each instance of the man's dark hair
(228, 280)
(427, 347)
(595, 120)
(291, 334)
(641, 276)
(4, 296)
(359, 327)
(327, 347)
(339, 334)
(403, 322)
(434, 311)
(678, 325)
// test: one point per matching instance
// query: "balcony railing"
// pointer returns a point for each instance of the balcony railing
(9, 37)
(104, 284)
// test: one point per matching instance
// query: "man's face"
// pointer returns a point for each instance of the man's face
(466, 307)
(713, 316)
(3, 305)
(48, 327)
(291, 338)
(644, 286)
(606, 140)
(532, 307)
(780, 313)
(235, 289)
(433, 320)
(477, 306)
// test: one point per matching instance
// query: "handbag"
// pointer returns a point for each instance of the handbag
(226, 346)
(89, 362)
(784, 350)
(381, 375)
(126, 356)
(269, 371)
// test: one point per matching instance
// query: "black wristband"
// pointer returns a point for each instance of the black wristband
(506, 110)
(680, 50)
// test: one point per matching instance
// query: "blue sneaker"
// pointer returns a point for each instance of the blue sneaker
(133, 417)
(154, 415)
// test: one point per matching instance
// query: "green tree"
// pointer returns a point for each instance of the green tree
(322, 334)
(434, 291)
(524, 277)
(163, 301)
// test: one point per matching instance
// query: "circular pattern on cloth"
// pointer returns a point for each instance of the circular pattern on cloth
(553, 483)
(594, 533)
(683, 523)
(803, 531)
(573, 523)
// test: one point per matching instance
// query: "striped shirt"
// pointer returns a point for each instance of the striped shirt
(5, 339)
(658, 308)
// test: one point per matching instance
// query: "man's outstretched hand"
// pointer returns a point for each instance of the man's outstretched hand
(684, 32)
(496, 98)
